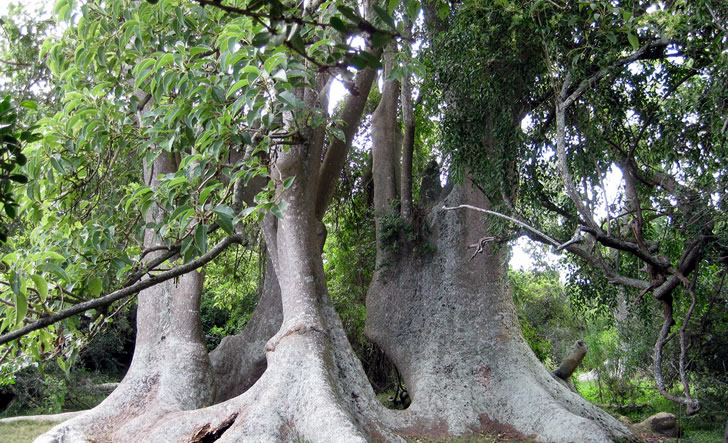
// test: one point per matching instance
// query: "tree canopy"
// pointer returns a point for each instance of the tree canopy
(157, 134)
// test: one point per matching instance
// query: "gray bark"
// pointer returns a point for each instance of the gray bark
(408, 146)
(568, 365)
(170, 370)
(314, 388)
(239, 360)
(450, 326)
(571, 361)
(385, 153)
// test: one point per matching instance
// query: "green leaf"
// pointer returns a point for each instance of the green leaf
(226, 223)
(95, 286)
(372, 60)
(384, 16)
(443, 10)
(288, 182)
(40, 285)
(9, 258)
(21, 308)
(52, 255)
(358, 61)
(297, 42)
(177, 181)
(201, 238)
(11, 210)
(15, 282)
(338, 133)
(273, 61)
(206, 192)
(165, 60)
(29, 104)
(19, 178)
(276, 211)
(247, 211)
(261, 38)
(326, 41)
(380, 39)
(337, 24)
(634, 41)
(349, 13)
(224, 210)
(288, 98)
(55, 269)
(236, 87)
(182, 210)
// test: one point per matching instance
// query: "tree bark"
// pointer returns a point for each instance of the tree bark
(239, 360)
(385, 154)
(408, 146)
(170, 370)
(450, 326)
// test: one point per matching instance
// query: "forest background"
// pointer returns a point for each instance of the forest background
(71, 206)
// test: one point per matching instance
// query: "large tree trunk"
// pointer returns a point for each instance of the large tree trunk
(450, 326)
(239, 360)
(170, 370)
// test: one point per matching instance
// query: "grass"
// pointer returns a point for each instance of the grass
(706, 427)
(23, 431)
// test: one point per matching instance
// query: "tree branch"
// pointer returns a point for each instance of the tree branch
(511, 219)
(589, 82)
(125, 292)
(335, 157)
(562, 162)
(572, 247)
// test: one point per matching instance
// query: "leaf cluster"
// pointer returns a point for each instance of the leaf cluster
(12, 140)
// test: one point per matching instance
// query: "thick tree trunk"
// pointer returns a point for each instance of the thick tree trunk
(386, 138)
(450, 326)
(170, 370)
(239, 360)
(314, 387)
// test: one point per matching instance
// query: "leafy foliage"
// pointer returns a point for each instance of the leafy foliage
(549, 324)
(216, 90)
(11, 158)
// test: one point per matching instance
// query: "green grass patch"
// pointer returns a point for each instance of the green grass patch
(24, 431)
(643, 400)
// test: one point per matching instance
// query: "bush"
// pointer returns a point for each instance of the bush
(112, 349)
(47, 389)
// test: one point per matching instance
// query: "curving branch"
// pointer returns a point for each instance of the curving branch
(126, 291)
(336, 154)
(570, 246)
(511, 219)
(569, 96)
(562, 163)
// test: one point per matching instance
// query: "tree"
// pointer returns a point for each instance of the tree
(223, 106)
(21, 73)
(611, 87)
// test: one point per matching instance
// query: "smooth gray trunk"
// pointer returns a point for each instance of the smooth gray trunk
(239, 361)
(170, 370)
(450, 326)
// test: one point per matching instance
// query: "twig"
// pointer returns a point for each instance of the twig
(480, 245)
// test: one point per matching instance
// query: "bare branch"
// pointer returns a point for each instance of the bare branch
(518, 222)
(573, 247)
(589, 82)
